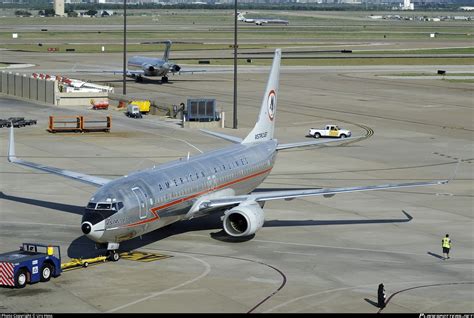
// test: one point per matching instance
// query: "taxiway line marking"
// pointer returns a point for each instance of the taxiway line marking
(337, 247)
(203, 274)
(295, 253)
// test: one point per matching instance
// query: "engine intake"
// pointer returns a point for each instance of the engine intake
(175, 68)
(149, 69)
(243, 220)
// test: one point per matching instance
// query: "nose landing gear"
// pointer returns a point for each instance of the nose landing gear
(112, 251)
(113, 256)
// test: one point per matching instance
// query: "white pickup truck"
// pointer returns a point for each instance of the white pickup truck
(330, 131)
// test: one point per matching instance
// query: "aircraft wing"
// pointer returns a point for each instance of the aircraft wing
(237, 140)
(92, 180)
(293, 194)
(129, 72)
(188, 71)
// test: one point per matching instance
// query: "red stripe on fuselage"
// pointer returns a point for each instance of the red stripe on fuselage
(161, 207)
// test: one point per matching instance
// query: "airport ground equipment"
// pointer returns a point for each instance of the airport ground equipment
(143, 105)
(96, 124)
(17, 122)
(31, 264)
(79, 124)
(330, 131)
(99, 104)
(202, 110)
(133, 111)
(76, 263)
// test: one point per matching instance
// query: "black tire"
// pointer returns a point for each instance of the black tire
(46, 272)
(343, 136)
(114, 256)
(86, 264)
(21, 278)
(317, 135)
(164, 79)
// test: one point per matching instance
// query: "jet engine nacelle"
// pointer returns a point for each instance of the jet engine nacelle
(243, 220)
(149, 69)
(175, 68)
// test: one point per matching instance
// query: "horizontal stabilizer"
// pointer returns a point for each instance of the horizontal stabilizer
(233, 139)
(313, 143)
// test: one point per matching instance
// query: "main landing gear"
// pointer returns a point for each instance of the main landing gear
(164, 79)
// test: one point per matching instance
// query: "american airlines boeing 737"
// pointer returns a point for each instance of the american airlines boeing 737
(220, 180)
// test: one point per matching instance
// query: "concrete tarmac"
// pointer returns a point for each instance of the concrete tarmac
(313, 254)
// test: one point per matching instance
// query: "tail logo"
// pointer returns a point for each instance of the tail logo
(271, 101)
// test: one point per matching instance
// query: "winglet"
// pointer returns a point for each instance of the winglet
(233, 139)
(452, 176)
(455, 172)
(11, 146)
(166, 54)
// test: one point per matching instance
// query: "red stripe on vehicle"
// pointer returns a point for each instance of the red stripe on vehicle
(6, 274)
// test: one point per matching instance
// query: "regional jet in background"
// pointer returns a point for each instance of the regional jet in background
(212, 182)
(152, 66)
(140, 66)
(260, 21)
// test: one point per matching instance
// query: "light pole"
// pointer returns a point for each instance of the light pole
(235, 65)
(125, 47)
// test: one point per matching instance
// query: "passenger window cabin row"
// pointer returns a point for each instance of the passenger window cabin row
(204, 178)
(197, 176)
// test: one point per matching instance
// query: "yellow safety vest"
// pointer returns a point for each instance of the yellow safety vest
(446, 242)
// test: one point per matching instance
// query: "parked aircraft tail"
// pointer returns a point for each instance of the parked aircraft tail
(265, 125)
(167, 50)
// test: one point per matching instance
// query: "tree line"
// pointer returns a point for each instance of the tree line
(44, 6)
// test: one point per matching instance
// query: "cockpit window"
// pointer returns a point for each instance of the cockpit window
(96, 212)
(91, 205)
(104, 206)
(117, 206)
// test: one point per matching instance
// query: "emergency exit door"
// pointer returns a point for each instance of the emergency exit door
(142, 203)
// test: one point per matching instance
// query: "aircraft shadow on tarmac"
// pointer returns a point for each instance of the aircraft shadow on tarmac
(85, 248)
(75, 209)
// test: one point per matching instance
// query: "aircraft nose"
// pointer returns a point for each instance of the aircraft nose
(94, 232)
(86, 228)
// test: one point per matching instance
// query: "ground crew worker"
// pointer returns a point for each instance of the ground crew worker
(446, 245)
(381, 296)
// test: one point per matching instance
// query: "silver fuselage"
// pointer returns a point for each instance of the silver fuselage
(156, 197)
(151, 66)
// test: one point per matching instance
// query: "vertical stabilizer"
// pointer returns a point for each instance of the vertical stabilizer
(167, 50)
(264, 127)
